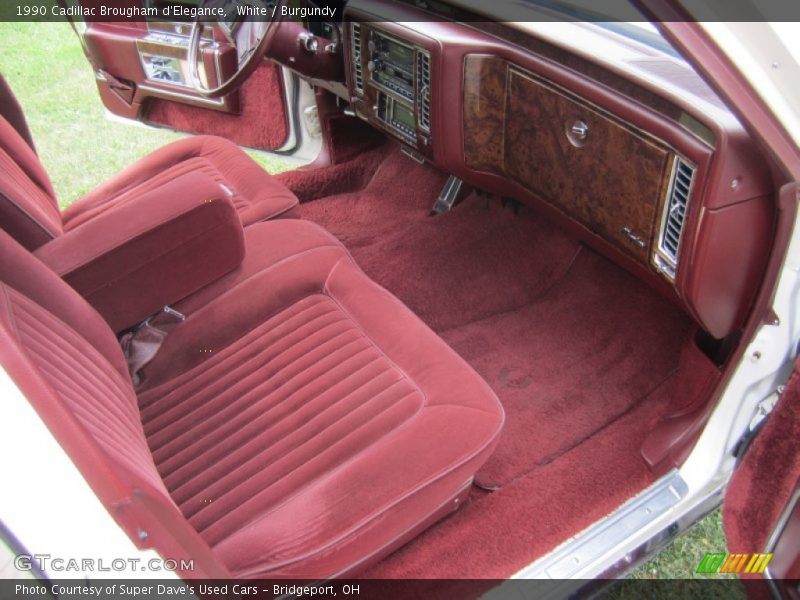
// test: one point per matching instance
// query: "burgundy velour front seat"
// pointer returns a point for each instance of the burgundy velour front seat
(29, 209)
(301, 422)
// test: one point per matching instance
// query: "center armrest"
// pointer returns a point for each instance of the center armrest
(151, 251)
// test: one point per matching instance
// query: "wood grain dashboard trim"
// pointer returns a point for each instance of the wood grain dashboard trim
(519, 125)
(604, 76)
(485, 86)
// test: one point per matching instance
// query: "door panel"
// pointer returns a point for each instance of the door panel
(260, 123)
(761, 512)
(142, 73)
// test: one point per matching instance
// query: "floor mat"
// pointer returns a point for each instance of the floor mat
(309, 182)
(572, 345)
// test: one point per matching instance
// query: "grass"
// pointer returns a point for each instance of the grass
(45, 66)
(672, 573)
(680, 559)
(80, 148)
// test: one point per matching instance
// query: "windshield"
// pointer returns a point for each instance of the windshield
(642, 32)
(619, 16)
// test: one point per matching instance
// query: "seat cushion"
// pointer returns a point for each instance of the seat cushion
(256, 194)
(304, 420)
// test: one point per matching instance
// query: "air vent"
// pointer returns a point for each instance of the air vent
(672, 222)
(424, 90)
(358, 75)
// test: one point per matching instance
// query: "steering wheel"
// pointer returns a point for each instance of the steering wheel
(251, 38)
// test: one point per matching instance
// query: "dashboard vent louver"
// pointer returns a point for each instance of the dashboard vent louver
(424, 90)
(358, 75)
(675, 210)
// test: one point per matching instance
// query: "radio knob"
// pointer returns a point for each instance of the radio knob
(372, 66)
(372, 47)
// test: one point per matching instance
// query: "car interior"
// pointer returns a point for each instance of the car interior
(496, 306)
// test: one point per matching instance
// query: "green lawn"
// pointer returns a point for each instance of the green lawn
(679, 561)
(681, 558)
(80, 148)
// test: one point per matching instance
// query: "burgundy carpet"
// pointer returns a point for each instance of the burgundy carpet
(580, 353)
(311, 182)
(496, 534)
(571, 362)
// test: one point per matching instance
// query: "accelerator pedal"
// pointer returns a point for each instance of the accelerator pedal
(453, 191)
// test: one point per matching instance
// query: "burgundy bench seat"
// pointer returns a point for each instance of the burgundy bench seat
(301, 422)
(29, 210)
(256, 194)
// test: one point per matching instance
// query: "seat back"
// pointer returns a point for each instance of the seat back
(28, 207)
(74, 355)
(67, 362)
(11, 110)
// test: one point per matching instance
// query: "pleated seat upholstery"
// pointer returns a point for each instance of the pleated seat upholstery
(302, 421)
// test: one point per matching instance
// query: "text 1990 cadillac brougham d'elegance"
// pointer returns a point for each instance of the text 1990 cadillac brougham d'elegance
(528, 310)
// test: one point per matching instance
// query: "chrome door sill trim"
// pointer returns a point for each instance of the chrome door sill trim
(590, 546)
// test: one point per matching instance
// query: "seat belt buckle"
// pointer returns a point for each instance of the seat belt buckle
(142, 343)
(167, 317)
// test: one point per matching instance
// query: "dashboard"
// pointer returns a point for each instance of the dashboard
(639, 159)
(616, 141)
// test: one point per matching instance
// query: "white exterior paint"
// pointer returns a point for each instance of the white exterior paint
(47, 504)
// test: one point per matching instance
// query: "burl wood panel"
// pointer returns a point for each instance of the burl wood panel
(485, 79)
(612, 181)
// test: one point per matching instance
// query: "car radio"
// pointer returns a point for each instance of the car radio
(391, 64)
(390, 81)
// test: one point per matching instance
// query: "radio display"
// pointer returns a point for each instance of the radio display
(396, 54)
(394, 65)
(403, 115)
